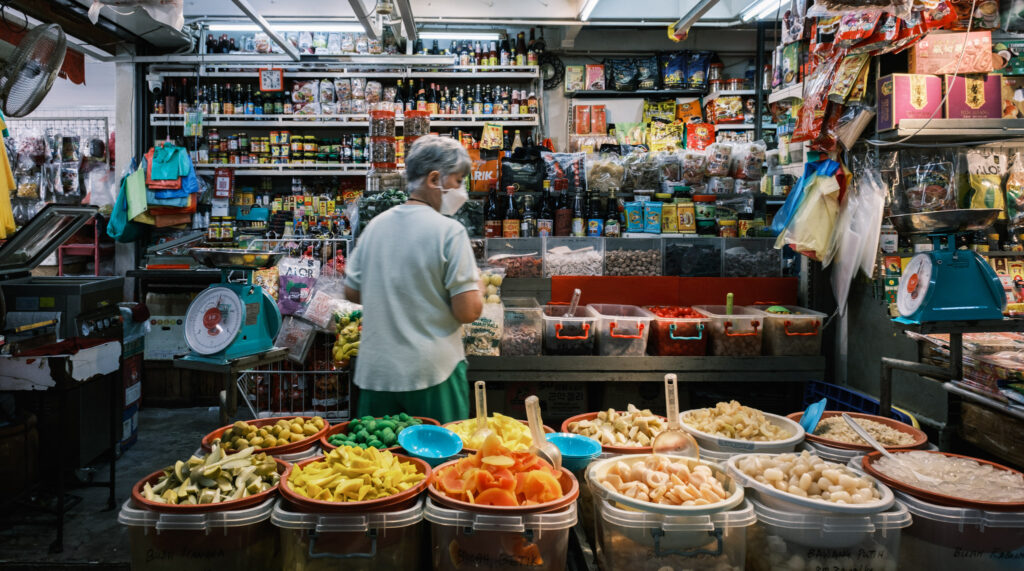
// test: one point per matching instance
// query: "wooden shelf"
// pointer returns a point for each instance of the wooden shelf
(956, 130)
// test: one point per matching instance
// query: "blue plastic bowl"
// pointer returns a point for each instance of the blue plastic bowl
(577, 451)
(432, 444)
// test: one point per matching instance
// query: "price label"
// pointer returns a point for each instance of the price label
(223, 183)
(271, 79)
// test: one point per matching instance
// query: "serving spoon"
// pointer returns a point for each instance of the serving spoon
(877, 446)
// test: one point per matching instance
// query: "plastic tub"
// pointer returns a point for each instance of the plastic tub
(737, 335)
(357, 542)
(944, 537)
(240, 540)
(714, 442)
(641, 541)
(622, 329)
(575, 335)
(692, 257)
(632, 257)
(573, 256)
(521, 257)
(790, 540)
(678, 336)
(463, 540)
(523, 328)
(751, 258)
(795, 333)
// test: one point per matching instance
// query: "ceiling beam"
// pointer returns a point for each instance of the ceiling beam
(255, 16)
(75, 22)
(407, 20)
(360, 11)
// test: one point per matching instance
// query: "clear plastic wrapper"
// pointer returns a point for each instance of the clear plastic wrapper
(719, 159)
(985, 171)
(326, 300)
(604, 172)
(570, 167)
(749, 160)
(1015, 195)
(693, 167)
(297, 335)
(483, 337)
(327, 91)
(927, 181)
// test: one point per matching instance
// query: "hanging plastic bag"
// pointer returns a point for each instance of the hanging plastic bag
(1015, 195)
(855, 239)
(167, 12)
(810, 229)
(120, 227)
(985, 170)
(793, 199)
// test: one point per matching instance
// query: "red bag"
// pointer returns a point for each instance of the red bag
(485, 171)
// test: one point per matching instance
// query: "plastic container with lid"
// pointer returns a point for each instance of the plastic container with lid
(354, 542)
(576, 335)
(751, 258)
(642, 541)
(521, 257)
(632, 257)
(692, 257)
(944, 537)
(677, 336)
(738, 334)
(795, 333)
(573, 256)
(523, 328)
(622, 329)
(792, 540)
(242, 539)
(463, 540)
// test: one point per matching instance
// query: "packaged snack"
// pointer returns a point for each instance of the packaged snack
(595, 77)
(855, 27)
(699, 135)
(719, 158)
(938, 54)
(652, 217)
(665, 137)
(348, 43)
(326, 300)
(306, 91)
(811, 119)
(575, 78)
(605, 172)
(491, 137)
(697, 64)
(326, 91)
(598, 120)
(570, 167)
(624, 74)
(885, 34)
(985, 168)
(582, 119)
(663, 110)
(634, 216)
(689, 112)
(358, 88)
(860, 87)
(824, 32)
(268, 280)
(297, 335)
(750, 160)
(1015, 195)
(928, 187)
(647, 73)
(673, 70)
(846, 77)
(669, 218)
(372, 92)
(728, 109)
(693, 167)
(791, 64)
(343, 89)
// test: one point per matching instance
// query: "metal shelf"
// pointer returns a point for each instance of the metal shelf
(958, 327)
(317, 121)
(1002, 254)
(794, 169)
(637, 94)
(374, 67)
(1014, 411)
(742, 127)
(716, 94)
(956, 130)
(586, 368)
(791, 92)
(300, 169)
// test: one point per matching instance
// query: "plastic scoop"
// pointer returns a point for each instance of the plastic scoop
(482, 430)
(812, 415)
(576, 293)
(728, 303)
(672, 440)
(874, 444)
(541, 447)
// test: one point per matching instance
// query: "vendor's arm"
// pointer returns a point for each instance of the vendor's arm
(461, 277)
(353, 295)
(354, 276)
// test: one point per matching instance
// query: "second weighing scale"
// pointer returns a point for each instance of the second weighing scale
(947, 284)
(230, 320)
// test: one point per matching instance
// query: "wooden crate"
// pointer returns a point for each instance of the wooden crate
(994, 432)
(165, 385)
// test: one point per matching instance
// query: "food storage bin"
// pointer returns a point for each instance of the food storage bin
(795, 333)
(632, 257)
(714, 442)
(575, 335)
(738, 334)
(524, 326)
(355, 542)
(692, 257)
(944, 537)
(622, 329)
(466, 540)
(643, 541)
(794, 540)
(573, 256)
(242, 539)
(751, 258)
(521, 257)
(676, 336)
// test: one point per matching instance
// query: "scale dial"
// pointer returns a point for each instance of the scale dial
(213, 320)
(914, 284)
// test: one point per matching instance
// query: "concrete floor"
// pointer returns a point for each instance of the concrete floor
(93, 538)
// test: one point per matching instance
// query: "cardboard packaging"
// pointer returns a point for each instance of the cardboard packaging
(974, 96)
(582, 119)
(598, 120)
(595, 77)
(939, 54)
(907, 96)
(575, 78)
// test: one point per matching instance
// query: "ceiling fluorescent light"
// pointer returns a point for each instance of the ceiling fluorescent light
(588, 7)
(471, 36)
(760, 9)
(290, 27)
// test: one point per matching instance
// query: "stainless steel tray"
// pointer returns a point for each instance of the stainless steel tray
(235, 259)
(944, 221)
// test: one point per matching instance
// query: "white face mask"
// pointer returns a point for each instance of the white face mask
(452, 199)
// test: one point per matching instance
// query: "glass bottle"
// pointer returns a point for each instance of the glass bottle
(546, 217)
(579, 220)
(595, 217)
(510, 226)
(612, 227)
(528, 226)
(493, 217)
(563, 214)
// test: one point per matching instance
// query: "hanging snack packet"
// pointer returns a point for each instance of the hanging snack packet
(846, 77)
(824, 32)
(811, 120)
(297, 335)
(326, 300)
(490, 140)
(1015, 195)
(855, 27)
(719, 158)
(673, 70)
(699, 136)
(570, 167)
(268, 280)
(928, 187)
(985, 168)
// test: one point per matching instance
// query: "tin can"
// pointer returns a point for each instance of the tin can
(296, 145)
(285, 137)
(309, 144)
(235, 158)
(233, 143)
(275, 150)
(275, 137)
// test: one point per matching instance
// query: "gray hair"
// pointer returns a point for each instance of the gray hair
(433, 153)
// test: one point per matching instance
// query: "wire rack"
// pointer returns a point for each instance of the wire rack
(326, 250)
(316, 387)
(92, 127)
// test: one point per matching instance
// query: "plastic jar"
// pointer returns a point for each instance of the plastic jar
(704, 204)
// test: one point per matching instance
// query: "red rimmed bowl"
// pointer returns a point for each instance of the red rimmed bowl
(920, 438)
(290, 448)
(567, 481)
(253, 500)
(471, 451)
(934, 497)
(395, 502)
(610, 449)
(343, 429)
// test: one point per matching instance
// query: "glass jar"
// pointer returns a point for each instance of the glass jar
(715, 71)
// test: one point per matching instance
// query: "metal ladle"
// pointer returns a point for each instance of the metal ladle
(541, 447)
(875, 444)
(672, 440)
(482, 430)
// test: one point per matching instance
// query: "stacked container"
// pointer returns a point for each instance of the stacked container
(751, 258)
(677, 336)
(521, 257)
(738, 334)
(622, 329)
(692, 257)
(463, 540)
(355, 542)
(795, 333)
(382, 151)
(523, 328)
(573, 256)
(632, 257)
(574, 335)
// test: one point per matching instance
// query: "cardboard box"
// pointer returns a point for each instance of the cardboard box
(907, 96)
(1009, 57)
(595, 77)
(575, 78)
(582, 121)
(598, 120)
(974, 96)
(166, 337)
(129, 429)
(940, 53)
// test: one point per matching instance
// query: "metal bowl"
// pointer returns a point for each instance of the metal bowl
(944, 221)
(235, 259)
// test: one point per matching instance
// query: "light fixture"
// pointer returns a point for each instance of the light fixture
(588, 7)
(471, 36)
(760, 9)
(290, 27)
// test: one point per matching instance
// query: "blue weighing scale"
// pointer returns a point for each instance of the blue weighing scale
(230, 320)
(947, 284)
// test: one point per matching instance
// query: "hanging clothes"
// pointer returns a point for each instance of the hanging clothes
(7, 186)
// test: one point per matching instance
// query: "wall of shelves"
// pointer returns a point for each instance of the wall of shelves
(335, 121)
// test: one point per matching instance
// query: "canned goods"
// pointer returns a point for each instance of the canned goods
(235, 158)
(224, 144)
(275, 137)
(275, 150)
(285, 137)
(309, 144)
(727, 228)
(296, 145)
(233, 143)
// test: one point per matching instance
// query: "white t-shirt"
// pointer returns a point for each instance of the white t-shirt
(409, 263)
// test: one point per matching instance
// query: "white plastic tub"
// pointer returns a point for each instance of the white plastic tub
(642, 541)
(622, 330)
(944, 537)
(466, 540)
(523, 328)
(791, 540)
(738, 334)
(355, 542)
(241, 540)
(736, 446)
(794, 333)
